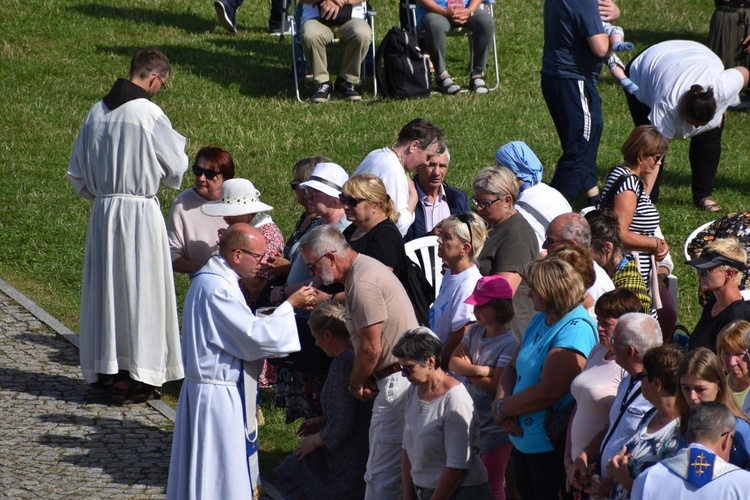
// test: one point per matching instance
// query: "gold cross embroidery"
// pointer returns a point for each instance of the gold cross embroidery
(700, 464)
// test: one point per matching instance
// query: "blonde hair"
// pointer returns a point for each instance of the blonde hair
(559, 286)
(329, 316)
(731, 248)
(370, 188)
(500, 181)
(582, 261)
(705, 365)
(732, 337)
(460, 229)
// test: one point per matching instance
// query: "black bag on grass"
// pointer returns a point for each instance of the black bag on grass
(402, 70)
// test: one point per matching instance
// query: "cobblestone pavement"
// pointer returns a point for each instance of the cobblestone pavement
(58, 438)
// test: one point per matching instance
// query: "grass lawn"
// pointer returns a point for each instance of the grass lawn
(60, 56)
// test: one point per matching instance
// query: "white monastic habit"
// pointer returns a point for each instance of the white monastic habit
(695, 473)
(124, 150)
(211, 435)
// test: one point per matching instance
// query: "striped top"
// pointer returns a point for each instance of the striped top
(645, 219)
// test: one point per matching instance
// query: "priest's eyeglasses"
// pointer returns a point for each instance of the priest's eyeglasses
(259, 256)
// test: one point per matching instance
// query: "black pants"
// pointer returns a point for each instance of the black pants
(704, 155)
(538, 475)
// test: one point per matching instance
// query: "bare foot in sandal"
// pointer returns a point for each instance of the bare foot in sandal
(708, 204)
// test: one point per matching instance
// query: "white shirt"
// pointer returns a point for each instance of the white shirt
(385, 164)
(665, 71)
(547, 201)
(449, 312)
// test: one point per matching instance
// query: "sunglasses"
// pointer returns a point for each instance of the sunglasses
(658, 157)
(466, 219)
(706, 272)
(407, 370)
(210, 174)
(350, 201)
(294, 185)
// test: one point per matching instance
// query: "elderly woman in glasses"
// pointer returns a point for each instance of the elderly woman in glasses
(373, 231)
(192, 234)
(732, 347)
(511, 242)
(719, 269)
(461, 239)
(440, 457)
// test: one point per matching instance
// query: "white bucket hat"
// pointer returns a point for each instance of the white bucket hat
(238, 197)
(328, 178)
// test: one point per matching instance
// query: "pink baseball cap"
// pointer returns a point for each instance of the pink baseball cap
(490, 287)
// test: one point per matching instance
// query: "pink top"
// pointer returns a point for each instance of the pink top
(594, 391)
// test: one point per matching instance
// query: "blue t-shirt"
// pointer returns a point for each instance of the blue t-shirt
(567, 26)
(575, 331)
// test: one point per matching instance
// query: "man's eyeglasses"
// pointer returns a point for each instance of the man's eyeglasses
(483, 204)
(210, 174)
(350, 201)
(164, 87)
(310, 266)
(466, 219)
(259, 256)
(640, 375)
(294, 185)
(549, 242)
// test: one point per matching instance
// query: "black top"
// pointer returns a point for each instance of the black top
(124, 91)
(708, 328)
(382, 242)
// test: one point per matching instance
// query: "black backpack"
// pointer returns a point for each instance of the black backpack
(402, 70)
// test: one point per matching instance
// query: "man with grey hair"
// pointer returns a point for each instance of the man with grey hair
(573, 229)
(436, 200)
(701, 470)
(418, 142)
(634, 335)
(378, 312)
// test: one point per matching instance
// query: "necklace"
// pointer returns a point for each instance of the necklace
(427, 399)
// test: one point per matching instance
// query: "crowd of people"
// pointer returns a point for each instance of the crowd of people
(547, 350)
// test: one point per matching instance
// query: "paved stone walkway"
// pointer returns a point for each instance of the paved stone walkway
(57, 437)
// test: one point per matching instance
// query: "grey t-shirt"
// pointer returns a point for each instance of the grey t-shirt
(494, 351)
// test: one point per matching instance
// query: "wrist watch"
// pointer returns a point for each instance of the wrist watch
(500, 411)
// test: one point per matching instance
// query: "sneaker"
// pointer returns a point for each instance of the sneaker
(225, 14)
(277, 31)
(322, 92)
(347, 91)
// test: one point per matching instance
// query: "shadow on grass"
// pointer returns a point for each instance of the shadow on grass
(190, 23)
(261, 68)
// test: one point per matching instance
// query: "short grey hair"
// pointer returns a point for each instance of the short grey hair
(639, 330)
(500, 181)
(419, 344)
(708, 421)
(324, 239)
(576, 228)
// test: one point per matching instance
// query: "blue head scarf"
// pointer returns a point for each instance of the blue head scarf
(518, 157)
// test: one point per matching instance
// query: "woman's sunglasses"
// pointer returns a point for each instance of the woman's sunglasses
(350, 200)
(210, 174)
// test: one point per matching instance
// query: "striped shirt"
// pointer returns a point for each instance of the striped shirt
(645, 219)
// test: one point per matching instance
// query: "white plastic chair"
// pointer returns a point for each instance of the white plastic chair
(692, 236)
(423, 251)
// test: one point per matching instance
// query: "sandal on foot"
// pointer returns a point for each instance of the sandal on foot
(478, 85)
(447, 84)
(708, 204)
(120, 396)
(145, 392)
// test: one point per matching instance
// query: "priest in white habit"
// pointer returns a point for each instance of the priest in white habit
(701, 471)
(126, 148)
(214, 451)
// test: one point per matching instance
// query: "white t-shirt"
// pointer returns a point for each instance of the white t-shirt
(449, 312)
(547, 201)
(385, 164)
(442, 433)
(602, 285)
(665, 71)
